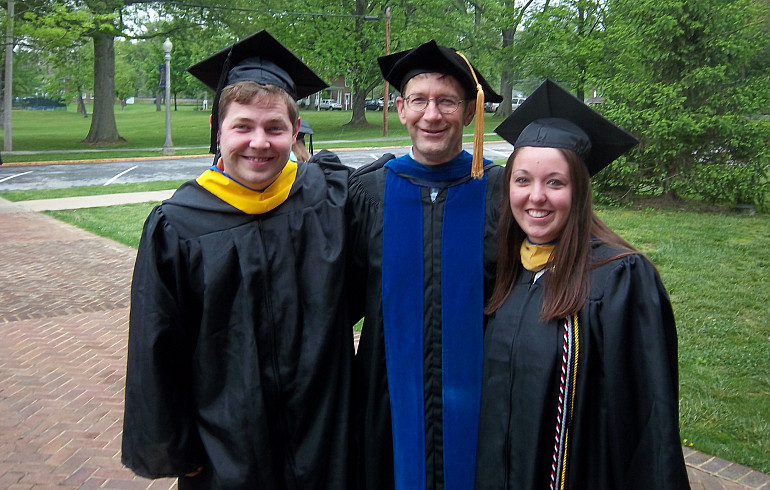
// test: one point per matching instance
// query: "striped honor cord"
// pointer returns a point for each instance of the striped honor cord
(566, 401)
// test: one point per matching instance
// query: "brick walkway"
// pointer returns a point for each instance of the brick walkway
(64, 297)
(63, 315)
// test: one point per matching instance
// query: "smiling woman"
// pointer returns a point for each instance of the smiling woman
(541, 194)
(580, 323)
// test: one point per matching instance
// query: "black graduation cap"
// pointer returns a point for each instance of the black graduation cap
(259, 58)
(552, 117)
(399, 68)
(304, 128)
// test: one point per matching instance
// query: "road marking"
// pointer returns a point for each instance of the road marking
(497, 153)
(15, 175)
(121, 174)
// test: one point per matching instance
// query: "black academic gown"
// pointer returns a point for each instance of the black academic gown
(623, 430)
(365, 227)
(240, 350)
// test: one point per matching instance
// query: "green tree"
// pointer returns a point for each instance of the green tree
(563, 42)
(676, 76)
(71, 73)
(102, 21)
(508, 18)
(126, 78)
(338, 40)
(29, 75)
(50, 36)
(460, 25)
(345, 39)
(195, 35)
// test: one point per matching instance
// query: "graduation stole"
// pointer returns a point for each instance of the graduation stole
(534, 256)
(248, 200)
(462, 302)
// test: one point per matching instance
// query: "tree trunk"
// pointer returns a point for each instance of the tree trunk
(506, 90)
(82, 104)
(580, 93)
(581, 33)
(104, 129)
(506, 78)
(158, 95)
(358, 120)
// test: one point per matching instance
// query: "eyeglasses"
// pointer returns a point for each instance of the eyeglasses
(445, 105)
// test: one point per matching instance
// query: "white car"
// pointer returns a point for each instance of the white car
(330, 105)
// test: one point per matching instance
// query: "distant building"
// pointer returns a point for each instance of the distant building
(594, 99)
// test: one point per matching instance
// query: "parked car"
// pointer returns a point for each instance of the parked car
(381, 102)
(329, 105)
(372, 105)
(490, 106)
(516, 102)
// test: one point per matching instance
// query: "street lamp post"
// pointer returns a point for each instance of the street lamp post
(8, 88)
(386, 95)
(168, 146)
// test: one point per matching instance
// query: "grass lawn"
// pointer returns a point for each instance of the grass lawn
(717, 271)
(120, 223)
(61, 132)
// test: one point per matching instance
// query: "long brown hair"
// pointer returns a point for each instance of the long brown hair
(567, 286)
(300, 150)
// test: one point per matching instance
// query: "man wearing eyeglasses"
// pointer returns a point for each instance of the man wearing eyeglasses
(422, 251)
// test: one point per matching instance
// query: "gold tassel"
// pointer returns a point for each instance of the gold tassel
(477, 169)
(477, 166)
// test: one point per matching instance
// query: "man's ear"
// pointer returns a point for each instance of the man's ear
(470, 111)
(219, 130)
(401, 108)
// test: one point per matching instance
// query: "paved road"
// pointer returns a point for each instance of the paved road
(15, 177)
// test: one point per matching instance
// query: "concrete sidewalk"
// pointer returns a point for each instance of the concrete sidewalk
(94, 201)
(64, 300)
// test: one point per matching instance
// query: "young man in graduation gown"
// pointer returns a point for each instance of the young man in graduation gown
(422, 235)
(240, 350)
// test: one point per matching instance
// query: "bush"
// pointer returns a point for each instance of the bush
(40, 104)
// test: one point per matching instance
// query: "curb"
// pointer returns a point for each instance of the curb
(725, 470)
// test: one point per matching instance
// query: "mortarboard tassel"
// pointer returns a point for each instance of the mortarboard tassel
(477, 166)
